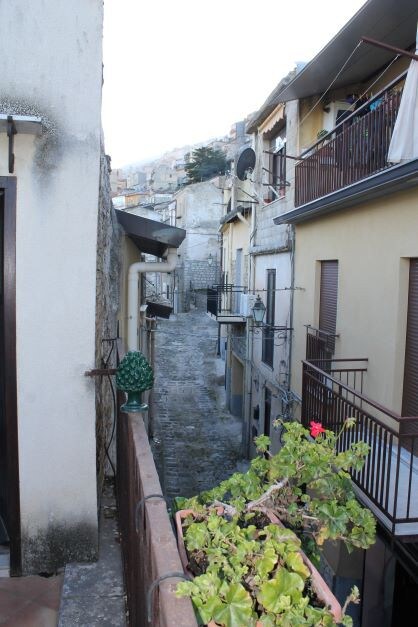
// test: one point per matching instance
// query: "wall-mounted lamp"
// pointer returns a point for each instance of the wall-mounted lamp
(259, 311)
(210, 259)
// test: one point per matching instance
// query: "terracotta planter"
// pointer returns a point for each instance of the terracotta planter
(319, 585)
(321, 589)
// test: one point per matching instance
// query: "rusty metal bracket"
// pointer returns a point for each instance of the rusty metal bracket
(156, 583)
(99, 372)
(11, 132)
(141, 503)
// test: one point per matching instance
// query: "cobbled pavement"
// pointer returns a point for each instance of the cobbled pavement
(197, 442)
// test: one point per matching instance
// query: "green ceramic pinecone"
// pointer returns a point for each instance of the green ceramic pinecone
(134, 373)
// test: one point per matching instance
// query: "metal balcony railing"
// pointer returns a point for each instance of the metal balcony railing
(354, 150)
(388, 482)
(227, 301)
(319, 344)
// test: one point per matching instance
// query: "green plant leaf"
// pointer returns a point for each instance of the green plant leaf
(295, 562)
(236, 608)
(262, 442)
(275, 595)
(266, 564)
(197, 536)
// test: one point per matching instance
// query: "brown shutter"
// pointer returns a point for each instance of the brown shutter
(267, 353)
(328, 296)
(410, 383)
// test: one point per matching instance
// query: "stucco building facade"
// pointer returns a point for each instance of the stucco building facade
(51, 193)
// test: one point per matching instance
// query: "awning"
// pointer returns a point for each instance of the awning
(391, 21)
(150, 236)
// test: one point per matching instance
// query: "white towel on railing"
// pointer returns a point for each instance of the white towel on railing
(404, 142)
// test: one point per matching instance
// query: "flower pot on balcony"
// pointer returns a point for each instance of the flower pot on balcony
(321, 592)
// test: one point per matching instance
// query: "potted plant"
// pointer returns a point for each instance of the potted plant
(249, 569)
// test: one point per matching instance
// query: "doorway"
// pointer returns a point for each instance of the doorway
(9, 467)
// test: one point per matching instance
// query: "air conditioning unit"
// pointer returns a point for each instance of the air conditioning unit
(246, 304)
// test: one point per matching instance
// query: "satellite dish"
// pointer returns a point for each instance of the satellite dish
(245, 162)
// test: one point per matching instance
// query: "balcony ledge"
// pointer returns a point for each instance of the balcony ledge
(395, 179)
(227, 318)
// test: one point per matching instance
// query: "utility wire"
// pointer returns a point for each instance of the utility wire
(331, 84)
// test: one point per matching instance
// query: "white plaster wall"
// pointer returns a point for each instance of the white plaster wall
(52, 67)
(199, 208)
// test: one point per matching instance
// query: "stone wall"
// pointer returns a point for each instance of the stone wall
(193, 278)
(107, 303)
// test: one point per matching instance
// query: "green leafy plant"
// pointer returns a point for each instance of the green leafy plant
(251, 572)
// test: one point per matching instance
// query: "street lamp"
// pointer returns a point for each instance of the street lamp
(258, 310)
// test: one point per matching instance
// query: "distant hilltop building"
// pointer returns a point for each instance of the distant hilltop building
(168, 174)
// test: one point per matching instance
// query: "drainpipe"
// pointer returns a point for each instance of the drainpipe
(135, 270)
(292, 295)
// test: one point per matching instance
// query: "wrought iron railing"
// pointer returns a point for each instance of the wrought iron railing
(355, 149)
(226, 300)
(388, 482)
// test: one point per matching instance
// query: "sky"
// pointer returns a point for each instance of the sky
(178, 72)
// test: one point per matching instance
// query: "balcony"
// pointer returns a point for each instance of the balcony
(319, 344)
(332, 391)
(354, 150)
(228, 303)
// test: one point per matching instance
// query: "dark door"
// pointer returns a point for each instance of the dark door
(267, 411)
(9, 466)
(405, 594)
(267, 354)
(4, 537)
(410, 385)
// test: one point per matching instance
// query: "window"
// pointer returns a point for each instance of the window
(268, 332)
(277, 169)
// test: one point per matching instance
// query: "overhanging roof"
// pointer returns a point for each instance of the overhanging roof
(391, 21)
(150, 236)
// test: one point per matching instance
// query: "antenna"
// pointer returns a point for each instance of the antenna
(245, 163)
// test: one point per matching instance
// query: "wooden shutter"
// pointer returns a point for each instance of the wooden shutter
(410, 384)
(328, 296)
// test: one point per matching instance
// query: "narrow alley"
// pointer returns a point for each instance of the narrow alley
(197, 442)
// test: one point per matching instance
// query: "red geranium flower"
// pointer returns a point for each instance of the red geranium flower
(316, 429)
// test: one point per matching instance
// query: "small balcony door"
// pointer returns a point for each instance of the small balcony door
(267, 353)
(410, 385)
(238, 280)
